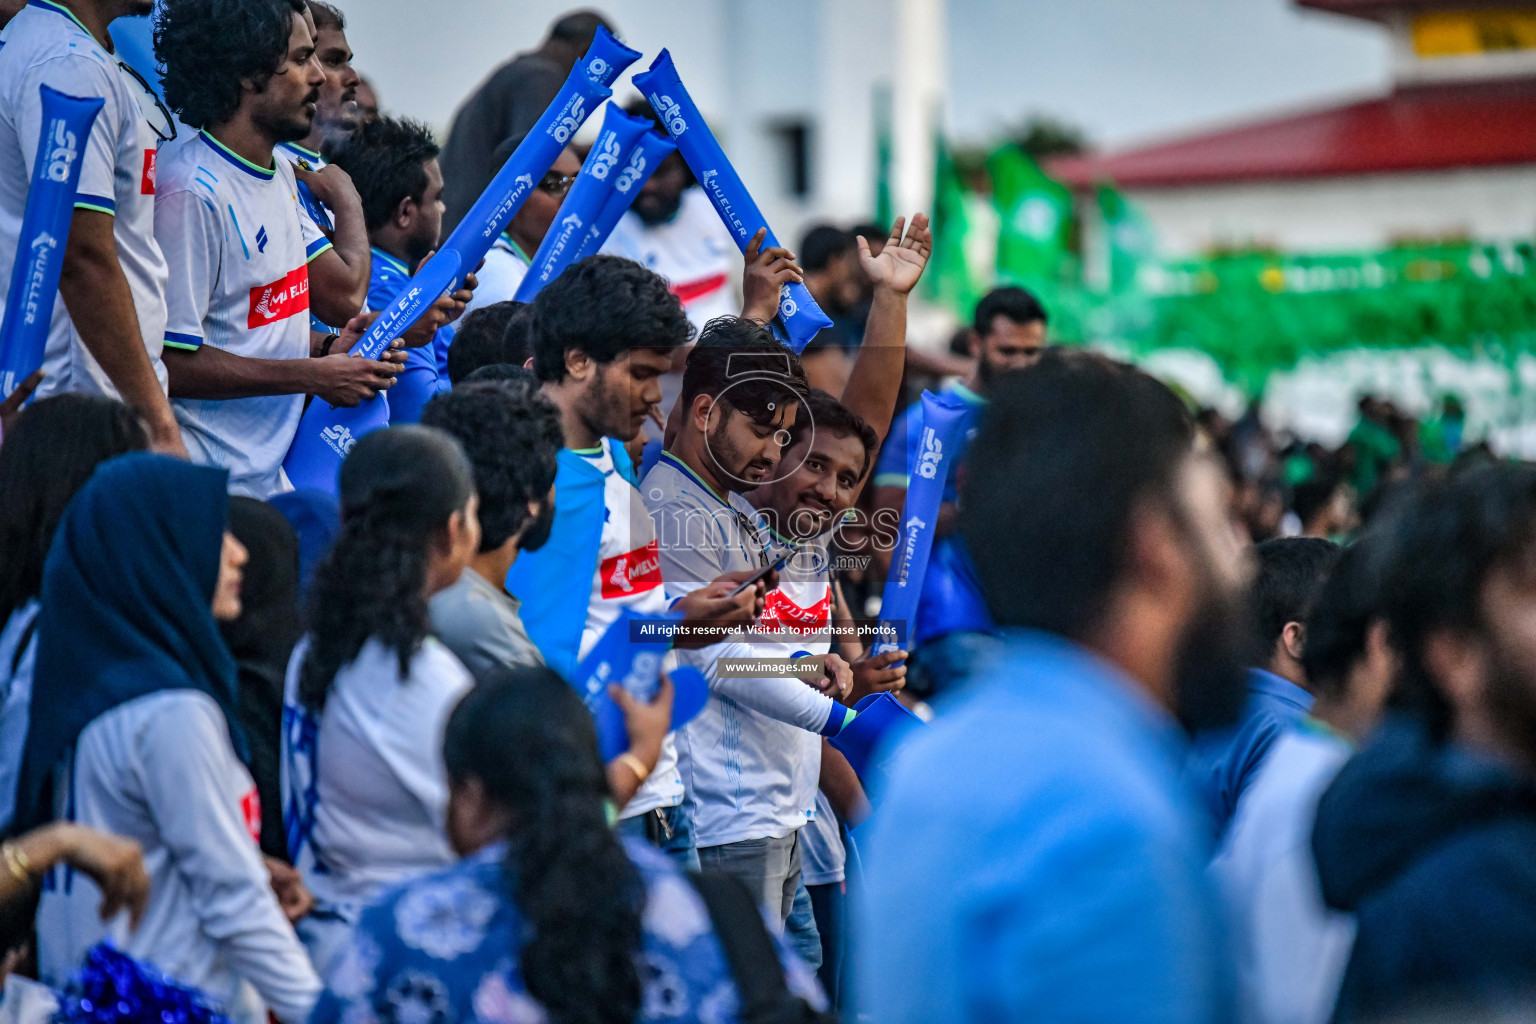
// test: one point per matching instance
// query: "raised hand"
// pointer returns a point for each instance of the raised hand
(767, 272)
(900, 264)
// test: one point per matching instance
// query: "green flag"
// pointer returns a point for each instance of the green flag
(1036, 219)
(885, 212)
(949, 279)
(1128, 237)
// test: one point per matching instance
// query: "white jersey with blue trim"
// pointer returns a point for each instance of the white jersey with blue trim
(628, 575)
(239, 250)
(752, 758)
(46, 45)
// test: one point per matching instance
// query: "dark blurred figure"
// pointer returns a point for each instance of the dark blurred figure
(1041, 819)
(507, 104)
(1427, 835)
(261, 640)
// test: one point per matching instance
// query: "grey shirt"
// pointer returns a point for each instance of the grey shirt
(479, 622)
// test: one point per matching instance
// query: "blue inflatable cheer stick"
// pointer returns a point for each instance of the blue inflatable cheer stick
(919, 518)
(326, 434)
(588, 195)
(660, 85)
(45, 225)
(636, 666)
(644, 158)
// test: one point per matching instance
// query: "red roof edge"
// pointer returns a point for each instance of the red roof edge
(1420, 128)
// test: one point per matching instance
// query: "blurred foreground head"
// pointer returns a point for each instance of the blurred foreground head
(1090, 513)
(1461, 607)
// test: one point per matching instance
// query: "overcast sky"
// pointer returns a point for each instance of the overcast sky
(1124, 70)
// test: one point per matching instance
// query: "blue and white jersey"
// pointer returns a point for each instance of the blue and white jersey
(420, 380)
(239, 251)
(751, 759)
(46, 45)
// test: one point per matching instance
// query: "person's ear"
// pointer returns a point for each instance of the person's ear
(1293, 639)
(700, 410)
(578, 365)
(405, 214)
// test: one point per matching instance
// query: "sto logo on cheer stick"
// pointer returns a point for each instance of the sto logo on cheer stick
(643, 160)
(801, 317)
(326, 434)
(942, 417)
(67, 122)
(590, 192)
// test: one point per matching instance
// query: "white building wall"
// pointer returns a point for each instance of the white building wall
(1343, 213)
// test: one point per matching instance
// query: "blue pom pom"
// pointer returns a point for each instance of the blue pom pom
(113, 988)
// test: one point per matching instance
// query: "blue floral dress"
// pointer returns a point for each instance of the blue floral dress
(441, 950)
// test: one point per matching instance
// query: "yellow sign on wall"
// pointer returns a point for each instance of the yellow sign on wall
(1463, 33)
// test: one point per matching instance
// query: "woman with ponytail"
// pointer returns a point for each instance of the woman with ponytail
(368, 690)
(550, 917)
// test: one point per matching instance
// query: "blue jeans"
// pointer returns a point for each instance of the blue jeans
(669, 829)
(801, 931)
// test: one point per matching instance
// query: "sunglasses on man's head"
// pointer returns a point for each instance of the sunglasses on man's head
(556, 184)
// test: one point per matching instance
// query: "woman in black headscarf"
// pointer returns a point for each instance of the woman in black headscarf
(133, 731)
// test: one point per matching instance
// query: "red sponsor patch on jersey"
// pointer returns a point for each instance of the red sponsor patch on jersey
(250, 810)
(781, 612)
(692, 291)
(279, 300)
(147, 180)
(632, 573)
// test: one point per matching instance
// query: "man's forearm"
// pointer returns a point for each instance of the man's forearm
(213, 373)
(339, 278)
(100, 303)
(875, 380)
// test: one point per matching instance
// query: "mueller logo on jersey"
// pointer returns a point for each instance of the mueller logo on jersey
(147, 179)
(632, 573)
(279, 300)
(781, 612)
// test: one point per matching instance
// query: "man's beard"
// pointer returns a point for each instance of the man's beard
(986, 373)
(729, 461)
(654, 210)
(537, 533)
(294, 129)
(1209, 689)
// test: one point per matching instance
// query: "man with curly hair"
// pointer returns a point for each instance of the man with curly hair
(245, 263)
(105, 336)
(512, 436)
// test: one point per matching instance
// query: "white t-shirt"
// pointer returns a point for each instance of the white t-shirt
(499, 276)
(45, 45)
(752, 758)
(1291, 948)
(16, 704)
(693, 251)
(369, 776)
(628, 575)
(239, 251)
(160, 770)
